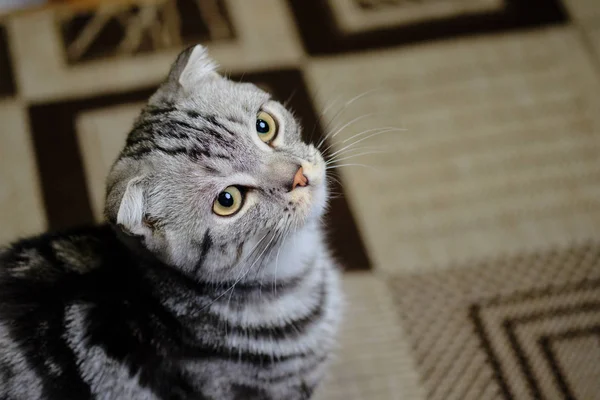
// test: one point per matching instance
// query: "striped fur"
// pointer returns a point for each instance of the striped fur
(168, 300)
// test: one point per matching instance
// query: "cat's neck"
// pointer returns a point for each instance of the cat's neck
(293, 257)
(287, 265)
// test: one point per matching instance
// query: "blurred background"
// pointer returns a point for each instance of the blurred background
(471, 237)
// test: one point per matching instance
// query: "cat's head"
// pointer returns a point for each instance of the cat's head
(213, 168)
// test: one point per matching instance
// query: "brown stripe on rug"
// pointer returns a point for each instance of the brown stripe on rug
(7, 85)
(58, 158)
(330, 26)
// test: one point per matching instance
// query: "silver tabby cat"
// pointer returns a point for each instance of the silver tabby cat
(211, 280)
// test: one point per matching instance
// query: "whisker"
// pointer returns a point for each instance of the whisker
(290, 97)
(338, 159)
(267, 256)
(320, 116)
(251, 258)
(349, 151)
(239, 277)
(361, 134)
(328, 107)
(332, 185)
(255, 261)
(349, 103)
(365, 138)
(333, 134)
(353, 165)
(277, 263)
(390, 128)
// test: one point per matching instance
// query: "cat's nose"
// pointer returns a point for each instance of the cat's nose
(299, 179)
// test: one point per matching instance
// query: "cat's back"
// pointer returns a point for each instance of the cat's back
(52, 256)
(40, 278)
(51, 268)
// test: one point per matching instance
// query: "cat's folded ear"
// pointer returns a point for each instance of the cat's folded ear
(125, 206)
(192, 66)
(131, 209)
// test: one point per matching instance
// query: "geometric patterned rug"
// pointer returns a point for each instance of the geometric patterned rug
(470, 240)
(510, 328)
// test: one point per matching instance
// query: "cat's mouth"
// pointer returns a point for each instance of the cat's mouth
(308, 193)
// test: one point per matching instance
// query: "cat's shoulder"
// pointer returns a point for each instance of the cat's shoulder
(49, 256)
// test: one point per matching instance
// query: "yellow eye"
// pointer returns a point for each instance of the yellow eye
(266, 127)
(228, 202)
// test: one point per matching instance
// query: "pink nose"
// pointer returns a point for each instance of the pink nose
(299, 179)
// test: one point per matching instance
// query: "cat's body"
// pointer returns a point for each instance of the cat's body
(180, 297)
(83, 317)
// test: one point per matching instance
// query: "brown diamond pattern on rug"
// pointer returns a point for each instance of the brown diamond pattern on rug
(503, 329)
(149, 26)
(456, 5)
(7, 85)
(514, 331)
(582, 346)
(63, 175)
(329, 27)
(373, 14)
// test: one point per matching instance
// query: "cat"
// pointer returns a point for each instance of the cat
(211, 278)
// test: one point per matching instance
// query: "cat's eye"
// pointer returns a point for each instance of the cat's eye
(228, 202)
(266, 127)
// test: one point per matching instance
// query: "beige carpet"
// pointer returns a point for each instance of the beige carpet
(471, 236)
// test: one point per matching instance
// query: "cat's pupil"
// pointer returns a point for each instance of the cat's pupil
(262, 126)
(225, 199)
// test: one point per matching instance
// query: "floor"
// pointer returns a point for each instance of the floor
(470, 230)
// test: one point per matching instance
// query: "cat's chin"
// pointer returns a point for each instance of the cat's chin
(309, 203)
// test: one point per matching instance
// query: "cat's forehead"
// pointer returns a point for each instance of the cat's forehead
(225, 95)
